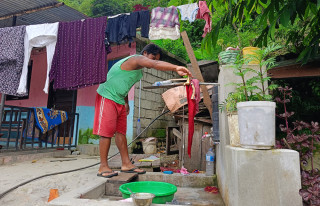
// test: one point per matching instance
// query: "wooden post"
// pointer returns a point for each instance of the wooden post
(196, 72)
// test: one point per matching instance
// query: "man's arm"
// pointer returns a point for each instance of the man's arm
(142, 61)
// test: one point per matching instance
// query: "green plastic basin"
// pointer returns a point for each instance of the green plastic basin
(164, 192)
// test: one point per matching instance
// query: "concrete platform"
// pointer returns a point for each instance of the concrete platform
(262, 177)
(7, 158)
(101, 192)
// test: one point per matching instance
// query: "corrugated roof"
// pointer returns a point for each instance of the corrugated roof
(54, 14)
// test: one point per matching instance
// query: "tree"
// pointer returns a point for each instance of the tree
(273, 15)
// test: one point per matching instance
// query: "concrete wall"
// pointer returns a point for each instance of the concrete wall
(151, 104)
(243, 171)
(37, 97)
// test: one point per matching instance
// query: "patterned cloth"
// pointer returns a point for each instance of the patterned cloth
(47, 119)
(188, 12)
(11, 58)
(164, 23)
(80, 56)
(204, 13)
(44, 125)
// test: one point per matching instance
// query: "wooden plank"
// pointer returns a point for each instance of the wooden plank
(196, 147)
(177, 133)
(196, 71)
(295, 70)
(122, 177)
(196, 118)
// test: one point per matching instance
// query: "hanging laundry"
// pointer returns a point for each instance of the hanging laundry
(139, 7)
(188, 12)
(11, 58)
(80, 56)
(164, 23)
(139, 19)
(204, 13)
(193, 98)
(118, 28)
(38, 36)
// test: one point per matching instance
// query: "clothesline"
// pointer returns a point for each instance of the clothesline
(82, 35)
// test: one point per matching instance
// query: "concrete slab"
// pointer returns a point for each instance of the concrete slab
(80, 187)
(8, 158)
(92, 194)
(262, 177)
(195, 180)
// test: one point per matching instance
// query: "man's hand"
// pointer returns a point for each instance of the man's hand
(127, 108)
(182, 71)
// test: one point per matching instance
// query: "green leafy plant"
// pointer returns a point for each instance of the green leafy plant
(256, 87)
(85, 135)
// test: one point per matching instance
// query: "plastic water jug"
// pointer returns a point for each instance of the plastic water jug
(209, 162)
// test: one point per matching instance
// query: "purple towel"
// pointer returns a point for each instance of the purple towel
(80, 58)
(11, 58)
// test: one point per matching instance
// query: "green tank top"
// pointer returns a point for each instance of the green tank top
(119, 82)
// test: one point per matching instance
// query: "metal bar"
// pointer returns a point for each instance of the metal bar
(71, 130)
(27, 128)
(46, 140)
(53, 134)
(18, 132)
(58, 138)
(3, 99)
(177, 84)
(64, 133)
(77, 127)
(9, 129)
(33, 131)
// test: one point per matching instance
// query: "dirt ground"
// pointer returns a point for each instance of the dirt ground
(37, 192)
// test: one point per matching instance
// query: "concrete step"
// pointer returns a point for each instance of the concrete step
(196, 180)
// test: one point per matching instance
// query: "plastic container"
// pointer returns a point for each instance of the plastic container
(144, 199)
(209, 162)
(166, 82)
(149, 145)
(164, 192)
(228, 57)
(257, 124)
(247, 51)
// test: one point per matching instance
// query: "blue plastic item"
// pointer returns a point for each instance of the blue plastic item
(168, 172)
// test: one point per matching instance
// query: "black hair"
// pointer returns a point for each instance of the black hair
(152, 49)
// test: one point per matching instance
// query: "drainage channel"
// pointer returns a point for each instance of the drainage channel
(190, 190)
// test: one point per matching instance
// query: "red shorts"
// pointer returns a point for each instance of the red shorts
(109, 117)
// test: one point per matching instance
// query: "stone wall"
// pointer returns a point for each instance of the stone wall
(151, 104)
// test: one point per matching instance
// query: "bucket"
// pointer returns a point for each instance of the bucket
(228, 57)
(149, 145)
(142, 199)
(247, 51)
(257, 124)
(234, 129)
(164, 192)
